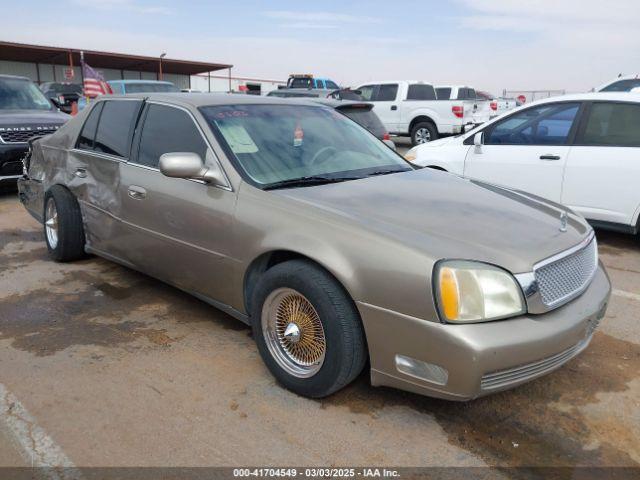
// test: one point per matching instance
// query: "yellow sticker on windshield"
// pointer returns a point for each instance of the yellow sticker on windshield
(237, 138)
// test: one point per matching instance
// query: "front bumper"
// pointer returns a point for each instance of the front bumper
(11, 161)
(482, 358)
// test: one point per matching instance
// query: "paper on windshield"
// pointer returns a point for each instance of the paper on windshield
(237, 137)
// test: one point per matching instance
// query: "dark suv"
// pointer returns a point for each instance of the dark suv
(63, 95)
(24, 113)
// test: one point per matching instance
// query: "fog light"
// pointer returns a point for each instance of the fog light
(422, 370)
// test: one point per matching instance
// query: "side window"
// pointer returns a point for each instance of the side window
(544, 125)
(116, 126)
(387, 93)
(613, 124)
(88, 132)
(331, 85)
(319, 84)
(165, 130)
(443, 93)
(421, 92)
(367, 92)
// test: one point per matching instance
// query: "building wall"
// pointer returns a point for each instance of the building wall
(46, 73)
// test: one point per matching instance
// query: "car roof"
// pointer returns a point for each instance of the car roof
(131, 81)
(380, 82)
(15, 77)
(610, 96)
(213, 99)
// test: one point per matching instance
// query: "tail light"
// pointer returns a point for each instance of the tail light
(458, 111)
(494, 105)
(386, 136)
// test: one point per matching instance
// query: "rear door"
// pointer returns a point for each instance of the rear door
(94, 168)
(601, 176)
(526, 150)
(385, 99)
(178, 230)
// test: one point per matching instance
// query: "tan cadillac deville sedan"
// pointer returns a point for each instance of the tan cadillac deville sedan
(296, 220)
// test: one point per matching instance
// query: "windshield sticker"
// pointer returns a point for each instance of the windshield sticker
(298, 135)
(237, 138)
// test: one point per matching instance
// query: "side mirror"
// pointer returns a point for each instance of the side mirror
(478, 139)
(190, 165)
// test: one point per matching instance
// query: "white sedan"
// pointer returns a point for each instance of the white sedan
(580, 150)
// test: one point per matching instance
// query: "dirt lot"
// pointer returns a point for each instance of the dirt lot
(102, 366)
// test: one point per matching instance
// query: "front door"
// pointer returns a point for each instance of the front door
(179, 230)
(527, 150)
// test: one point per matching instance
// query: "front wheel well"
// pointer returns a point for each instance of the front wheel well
(269, 260)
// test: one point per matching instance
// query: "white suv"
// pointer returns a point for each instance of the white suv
(580, 150)
(629, 83)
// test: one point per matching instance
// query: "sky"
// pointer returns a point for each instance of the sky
(489, 44)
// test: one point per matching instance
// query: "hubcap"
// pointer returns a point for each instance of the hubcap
(423, 136)
(293, 332)
(51, 224)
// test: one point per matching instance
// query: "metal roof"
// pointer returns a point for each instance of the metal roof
(19, 52)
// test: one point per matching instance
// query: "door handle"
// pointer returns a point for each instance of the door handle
(549, 157)
(394, 107)
(80, 173)
(137, 193)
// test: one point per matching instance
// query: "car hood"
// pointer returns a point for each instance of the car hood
(17, 118)
(439, 142)
(445, 216)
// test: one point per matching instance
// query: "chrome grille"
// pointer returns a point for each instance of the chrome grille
(23, 136)
(562, 279)
(522, 373)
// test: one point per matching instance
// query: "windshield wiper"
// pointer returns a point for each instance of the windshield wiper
(307, 181)
(385, 172)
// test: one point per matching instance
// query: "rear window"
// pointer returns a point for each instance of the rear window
(364, 116)
(466, 94)
(150, 87)
(421, 92)
(301, 82)
(65, 88)
(114, 129)
(387, 93)
(613, 124)
(443, 93)
(622, 85)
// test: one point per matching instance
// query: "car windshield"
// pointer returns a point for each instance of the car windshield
(281, 143)
(19, 94)
(622, 85)
(150, 87)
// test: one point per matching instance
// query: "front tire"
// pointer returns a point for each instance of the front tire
(307, 329)
(63, 229)
(423, 132)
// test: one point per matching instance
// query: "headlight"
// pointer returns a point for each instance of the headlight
(476, 292)
(411, 155)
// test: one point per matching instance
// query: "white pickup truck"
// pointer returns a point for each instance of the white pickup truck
(479, 108)
(411, 108)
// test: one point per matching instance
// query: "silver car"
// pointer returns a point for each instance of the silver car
(296, 220)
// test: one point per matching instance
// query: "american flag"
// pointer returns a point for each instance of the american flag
(94, 82)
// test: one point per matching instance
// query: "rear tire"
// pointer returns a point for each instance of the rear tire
(307, 329)
(423, 132)
(63, 229)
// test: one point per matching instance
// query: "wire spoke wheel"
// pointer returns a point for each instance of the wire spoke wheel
(51, 223)
(293, 332)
